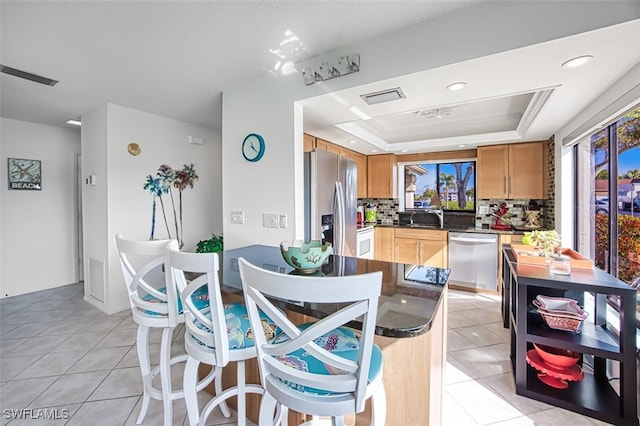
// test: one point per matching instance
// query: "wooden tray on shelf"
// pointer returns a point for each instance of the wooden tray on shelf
(530, 255)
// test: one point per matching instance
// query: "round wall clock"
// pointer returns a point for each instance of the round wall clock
(253, 147)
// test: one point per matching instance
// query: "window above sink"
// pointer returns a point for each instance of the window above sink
(443, 185)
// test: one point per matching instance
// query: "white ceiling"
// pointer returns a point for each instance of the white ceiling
(515, 96)
(175, 58)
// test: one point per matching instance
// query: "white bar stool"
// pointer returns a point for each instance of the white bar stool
(323, 368)
(152, 307)
(215, 335)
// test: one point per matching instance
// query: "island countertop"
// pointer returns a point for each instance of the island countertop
(411, 294)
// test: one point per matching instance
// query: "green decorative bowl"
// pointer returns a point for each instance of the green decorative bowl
(305, 257)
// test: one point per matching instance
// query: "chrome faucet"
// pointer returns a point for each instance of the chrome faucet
(439, 213)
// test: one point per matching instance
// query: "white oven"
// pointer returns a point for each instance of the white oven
(364, 242)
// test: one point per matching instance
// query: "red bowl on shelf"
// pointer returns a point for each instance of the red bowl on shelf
(555, 357)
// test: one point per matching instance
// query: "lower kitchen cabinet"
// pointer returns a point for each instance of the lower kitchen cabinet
(422, 247)
(601, 346)
(383, 243)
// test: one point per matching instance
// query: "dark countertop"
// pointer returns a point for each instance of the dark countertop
(460, 229)
(411, 294)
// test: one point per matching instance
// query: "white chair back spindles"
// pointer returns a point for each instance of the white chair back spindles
(343, 383)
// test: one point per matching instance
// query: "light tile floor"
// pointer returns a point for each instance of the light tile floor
(59, 352)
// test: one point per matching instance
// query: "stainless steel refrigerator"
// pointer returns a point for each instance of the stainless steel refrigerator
(330, 204)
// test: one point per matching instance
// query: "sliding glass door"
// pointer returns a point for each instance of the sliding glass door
(608, 198)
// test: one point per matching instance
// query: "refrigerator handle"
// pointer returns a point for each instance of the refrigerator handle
(339, 218)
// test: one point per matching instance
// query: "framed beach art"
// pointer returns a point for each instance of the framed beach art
(25, 174)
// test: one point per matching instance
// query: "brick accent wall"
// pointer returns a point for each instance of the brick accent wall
(550, 211)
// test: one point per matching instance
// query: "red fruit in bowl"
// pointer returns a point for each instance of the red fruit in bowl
(555, 357)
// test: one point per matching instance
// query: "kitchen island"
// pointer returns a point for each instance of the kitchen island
(410, 329)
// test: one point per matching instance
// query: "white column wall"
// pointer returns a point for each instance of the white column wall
(118, 202)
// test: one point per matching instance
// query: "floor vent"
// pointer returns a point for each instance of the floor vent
(384, 96)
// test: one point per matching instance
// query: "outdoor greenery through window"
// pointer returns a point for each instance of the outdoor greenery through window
(450, 186)
(608, 180)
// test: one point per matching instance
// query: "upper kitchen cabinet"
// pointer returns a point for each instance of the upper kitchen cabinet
(361, 164)
(513, 171)
(309, 143)
(327, 146)
(381, 171)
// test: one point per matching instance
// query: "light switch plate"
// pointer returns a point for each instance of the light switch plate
(282, 220)
(270, 220)
(237, 216)
(483, 210)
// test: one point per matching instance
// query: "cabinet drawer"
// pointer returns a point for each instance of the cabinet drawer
(421, 234)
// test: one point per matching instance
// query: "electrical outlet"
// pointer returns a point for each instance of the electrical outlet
(282, 220)
(237, 216)
(270, 220)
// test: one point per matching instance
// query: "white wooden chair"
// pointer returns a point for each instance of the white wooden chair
(214, 335)
(322, 368)
(152, 307)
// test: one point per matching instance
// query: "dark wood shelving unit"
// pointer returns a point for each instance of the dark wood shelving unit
(594, 396)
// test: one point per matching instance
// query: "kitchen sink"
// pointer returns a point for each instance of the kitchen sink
(420, 225)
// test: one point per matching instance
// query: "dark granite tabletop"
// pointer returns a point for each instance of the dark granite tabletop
(411, 294)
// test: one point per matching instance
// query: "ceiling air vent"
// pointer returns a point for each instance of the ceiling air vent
(28, 76)
(384, 96)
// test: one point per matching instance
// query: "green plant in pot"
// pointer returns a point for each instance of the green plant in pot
(212, 245)
(546, 241)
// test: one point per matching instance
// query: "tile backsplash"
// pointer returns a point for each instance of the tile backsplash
(388, 211)
(516, 209)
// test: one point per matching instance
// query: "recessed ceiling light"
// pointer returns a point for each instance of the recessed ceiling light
(352, 141)
(576, 62)
(457, 86)
(374, 150)
(461, 145)
(405, 150)
(74, 122)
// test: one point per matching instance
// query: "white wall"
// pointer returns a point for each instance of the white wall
(39, 228)
(118, 202)
(265, 104)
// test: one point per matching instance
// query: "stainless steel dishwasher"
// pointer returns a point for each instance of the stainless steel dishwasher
(473, 260)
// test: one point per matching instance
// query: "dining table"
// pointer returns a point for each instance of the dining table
(410, 329)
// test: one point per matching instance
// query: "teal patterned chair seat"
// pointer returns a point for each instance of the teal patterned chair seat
(342, 341)
(200, 300)
(238, 326)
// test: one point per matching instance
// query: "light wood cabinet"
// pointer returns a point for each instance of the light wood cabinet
(309, 143)
(327, 146)
(422, 247)
(361, 164)
(383, 242)
(513, 171)
(381, 176)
